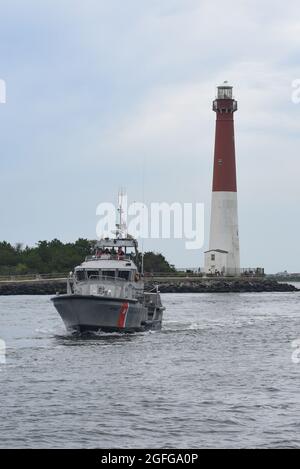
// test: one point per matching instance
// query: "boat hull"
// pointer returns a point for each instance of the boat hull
(94, 313)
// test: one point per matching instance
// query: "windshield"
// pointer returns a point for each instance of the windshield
(108, 273)
(93, 273)
(80, 275)
(125, 274)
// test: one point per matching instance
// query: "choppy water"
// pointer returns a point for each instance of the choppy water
(220, 374)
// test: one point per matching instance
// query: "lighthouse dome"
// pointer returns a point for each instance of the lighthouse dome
(224, 91)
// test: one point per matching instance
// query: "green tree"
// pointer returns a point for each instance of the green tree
(57, 257)
(156, 262)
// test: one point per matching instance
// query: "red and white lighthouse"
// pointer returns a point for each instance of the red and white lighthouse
(223, 257)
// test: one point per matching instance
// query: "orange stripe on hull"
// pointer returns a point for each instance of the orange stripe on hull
(123, 315)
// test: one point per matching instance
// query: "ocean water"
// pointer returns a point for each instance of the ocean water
(221, 374)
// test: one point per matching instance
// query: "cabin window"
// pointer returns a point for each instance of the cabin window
(93, 274)
(80, 275)
(108, 273)
(125, 274)
(213, 257)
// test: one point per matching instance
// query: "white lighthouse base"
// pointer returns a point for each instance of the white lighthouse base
(223, 257)
(216, 262)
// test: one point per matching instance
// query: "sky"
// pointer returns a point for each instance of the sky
(103, 95)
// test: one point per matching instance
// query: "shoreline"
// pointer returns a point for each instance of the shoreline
(166, 285)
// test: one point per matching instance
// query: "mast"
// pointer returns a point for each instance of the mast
(121, 225)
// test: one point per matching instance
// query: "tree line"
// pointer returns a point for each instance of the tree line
(56, 257)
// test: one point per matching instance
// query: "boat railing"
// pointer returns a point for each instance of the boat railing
(35, 277)
(153, 297)
(106, 279)
(110, 257)
(100, 278)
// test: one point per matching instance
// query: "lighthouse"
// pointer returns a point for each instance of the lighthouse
(223, 256)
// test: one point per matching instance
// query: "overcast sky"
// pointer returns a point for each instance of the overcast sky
(98, 90)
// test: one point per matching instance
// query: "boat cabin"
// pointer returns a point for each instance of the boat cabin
(107, 269)
(111, 271)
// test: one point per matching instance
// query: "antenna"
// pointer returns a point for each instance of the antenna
(121, 225)
(143, 214)
(142, 263)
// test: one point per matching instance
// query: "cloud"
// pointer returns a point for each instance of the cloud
(109, 94)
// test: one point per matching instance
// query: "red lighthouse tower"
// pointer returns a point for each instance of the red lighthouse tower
(223, 256)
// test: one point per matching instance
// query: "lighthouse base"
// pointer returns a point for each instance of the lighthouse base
(216, 264)
(223, 257)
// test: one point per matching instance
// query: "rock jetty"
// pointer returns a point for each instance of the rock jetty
(34, 287)
(223, 286)
(170, 285)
